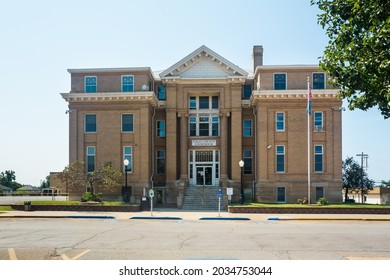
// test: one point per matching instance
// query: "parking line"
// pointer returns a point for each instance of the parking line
(65, 257)
(12, 254)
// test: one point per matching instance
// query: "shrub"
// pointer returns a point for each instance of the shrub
(88, 196)
(322, 201)
(302, 200)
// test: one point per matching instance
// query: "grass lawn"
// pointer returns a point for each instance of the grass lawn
(5, 208)
(73, 202)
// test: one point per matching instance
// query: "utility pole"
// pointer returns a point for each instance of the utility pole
(364, 157)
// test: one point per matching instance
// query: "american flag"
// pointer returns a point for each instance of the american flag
(309, 96)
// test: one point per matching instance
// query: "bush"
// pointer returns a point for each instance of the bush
(302, 200)
(322, 201)
(88, 196)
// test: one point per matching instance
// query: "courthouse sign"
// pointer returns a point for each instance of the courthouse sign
(204, 142)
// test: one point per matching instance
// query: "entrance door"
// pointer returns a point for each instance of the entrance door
(204, 176)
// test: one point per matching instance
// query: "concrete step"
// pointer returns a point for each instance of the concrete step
(202, 198)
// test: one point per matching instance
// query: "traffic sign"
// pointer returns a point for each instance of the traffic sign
(151, 193)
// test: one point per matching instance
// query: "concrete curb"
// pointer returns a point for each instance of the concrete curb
(223, 219)
(60, 217)
(155, 218)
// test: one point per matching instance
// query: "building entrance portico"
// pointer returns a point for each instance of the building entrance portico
(204, 167)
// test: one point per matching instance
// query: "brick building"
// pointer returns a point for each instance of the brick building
(188, 127)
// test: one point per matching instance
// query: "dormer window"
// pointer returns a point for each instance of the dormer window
(90, 84)
(128, 83)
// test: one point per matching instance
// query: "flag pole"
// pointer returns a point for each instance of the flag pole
(308, 138)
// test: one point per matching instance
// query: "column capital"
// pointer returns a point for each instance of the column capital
(182, 115)
(224, 114)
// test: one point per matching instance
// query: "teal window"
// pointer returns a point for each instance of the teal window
(127, 123)
(128, 154)
(90, 123)
(318, 80)
(215, 126)
(246, 91)
(203, 102)
(160, 158)
(91, 154)
(193, 126)
(279, 121)
(247, 126)
(207, 125)
(318, 121)
(280, 81)
(318, 158)
(193, 102)
(128, 83)
(160, 127)
(280, 159)
(204, 126)
(215, 102)
(90, 84)
(161, 93)
(247, 156)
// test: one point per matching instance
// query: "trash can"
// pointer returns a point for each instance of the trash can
(144, 204)
(27, 206)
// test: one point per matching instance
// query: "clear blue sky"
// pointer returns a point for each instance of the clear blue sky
(41, 39)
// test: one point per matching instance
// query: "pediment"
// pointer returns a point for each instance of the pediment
(203, 63)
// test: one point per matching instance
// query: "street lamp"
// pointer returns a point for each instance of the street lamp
(125, 191)
(242, 198)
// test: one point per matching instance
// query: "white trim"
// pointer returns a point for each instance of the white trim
(276, 122)
(85, 83)
(122, 76)
(323, 158)
(318, 127)
(273, 78)
(131, 158)
(105, 70)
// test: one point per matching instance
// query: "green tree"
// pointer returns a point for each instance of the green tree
(385, 184)
(8, 179)
(46, 183)
(73, 177)
(358, 53)
(355, 178)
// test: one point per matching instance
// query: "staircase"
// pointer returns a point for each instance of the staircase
(202, 198)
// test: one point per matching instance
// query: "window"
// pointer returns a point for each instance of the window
(127, 123)
(215, 102)
(318, 121)
(161, 93)
(90, 84)
(246, 91)
(247, 155)
(91, 153)
(160, 127)
(318, 80)
(280, 153)
(279, 121)
(318, 158)
(90, 123)
(320, 193)
(204, 125)
(247, 126)
(281, 195)
(128, 83)
(280, 81)
(203, 102)
(128, 154)
(160, 156)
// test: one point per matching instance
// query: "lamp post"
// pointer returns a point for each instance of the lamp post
(125, 192)
(242, 198)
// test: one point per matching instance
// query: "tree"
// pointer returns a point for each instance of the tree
(75, 179)
(46, 183)
(385, 184)
(358, 54)
(355, 178)
(8, 179)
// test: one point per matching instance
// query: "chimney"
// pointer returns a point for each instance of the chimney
(257, 56)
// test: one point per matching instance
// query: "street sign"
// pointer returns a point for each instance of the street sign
(219, 193)
(229, 191)
(151, 193)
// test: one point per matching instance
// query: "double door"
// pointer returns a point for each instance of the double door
(204, 175)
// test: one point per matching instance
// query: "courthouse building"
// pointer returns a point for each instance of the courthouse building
(186, 129)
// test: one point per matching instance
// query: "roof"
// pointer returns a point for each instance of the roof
(206, 55)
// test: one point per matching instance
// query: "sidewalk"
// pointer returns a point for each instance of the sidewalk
(169, 214)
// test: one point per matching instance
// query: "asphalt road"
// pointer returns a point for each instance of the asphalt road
(120, 239)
